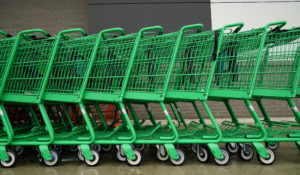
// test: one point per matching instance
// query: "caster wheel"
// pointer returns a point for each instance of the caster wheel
(268, 161)
(185, 145)
(273, 145)
(161, 157)
(96, 147)
(232, 148)
(73, 148)
(246, 153)
(19, 150)
(121, 157)
(194, 148)
(106, 148)
(181, 159)
(140, 147)
(225, 160)
(58, 148)
(55, 159)
(137, 160)
(40, 159)
(95, 161)
(203, 154)
(12, 159)
(80, 156)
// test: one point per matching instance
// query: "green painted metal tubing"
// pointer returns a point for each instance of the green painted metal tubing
(263, 134)
(129, 125)
(231, 112)
(214, 126)
(175, 52)
(152, 119)
(101, 36)
(180, 115)
(175, 115)
(7, 127)
(14, 49)
(101, 117)
(198, 113)
(137, 124)
(129, 69)
(294, 109)
(56, 45)
(4, 35)
(174, 138)
(36, 121)
(279, 24)
(263, 110)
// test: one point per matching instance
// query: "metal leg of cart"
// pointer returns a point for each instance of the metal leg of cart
(259, 147)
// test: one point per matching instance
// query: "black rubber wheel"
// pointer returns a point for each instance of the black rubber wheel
(273, 145)
(194, 148)
(232, 148)
(140, 147)
(19, 150)
(121, 157)
(96, 147)
(246, 153)
(58, 148)
(203, 154)
(161, 157)
(106, 148)
(80, 156)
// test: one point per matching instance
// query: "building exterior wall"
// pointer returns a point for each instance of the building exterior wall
(50, 15)
(132, 15)
(254, 13)
(56, 15)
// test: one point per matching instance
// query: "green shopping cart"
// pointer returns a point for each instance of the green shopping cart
(238, 62)
(65, 85)
(24, 81)
(277, 78)
(190, 81)
(6, 46)
(148, 82)
(112, 59)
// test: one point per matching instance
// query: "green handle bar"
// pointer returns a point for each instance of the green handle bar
(238, 27)
(76, 30)
(5, 34)
(278, 24)
(5, 75)
(93, 55)
(193, 26)
(112, 30)
(159, 29)
(41, 31)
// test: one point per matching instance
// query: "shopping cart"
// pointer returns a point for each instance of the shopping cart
(238, 61)
(23, 82)
(65, 85)
(112, 59)
(6, 46)
(190, 81)
(148, 82)
(277, 78)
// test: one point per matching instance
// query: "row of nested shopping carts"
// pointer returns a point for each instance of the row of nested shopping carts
(49, 75)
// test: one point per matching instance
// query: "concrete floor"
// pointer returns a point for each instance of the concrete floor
(288, 162)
